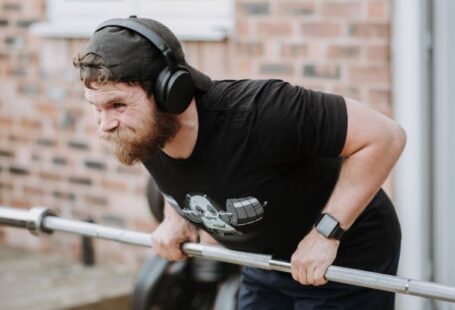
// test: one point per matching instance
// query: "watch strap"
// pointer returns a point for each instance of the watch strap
(337, 233)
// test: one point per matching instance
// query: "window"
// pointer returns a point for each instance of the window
(190, 20)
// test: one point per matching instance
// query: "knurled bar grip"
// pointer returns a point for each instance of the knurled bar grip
(40, 219)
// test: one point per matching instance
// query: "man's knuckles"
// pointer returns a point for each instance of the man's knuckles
(307, 262)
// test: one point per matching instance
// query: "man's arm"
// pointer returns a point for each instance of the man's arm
(171, 233)
(373, 145)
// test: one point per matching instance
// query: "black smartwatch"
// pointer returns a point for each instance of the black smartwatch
(328, 226)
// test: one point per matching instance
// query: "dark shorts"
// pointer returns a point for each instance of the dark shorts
(262, 289)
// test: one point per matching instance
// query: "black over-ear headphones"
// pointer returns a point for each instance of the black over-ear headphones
(174, 86)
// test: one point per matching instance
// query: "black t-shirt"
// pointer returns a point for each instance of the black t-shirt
(266, 160)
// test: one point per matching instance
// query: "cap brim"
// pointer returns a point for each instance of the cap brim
(201, 81)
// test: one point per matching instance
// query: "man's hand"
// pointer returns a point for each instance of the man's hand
(313, 257)
(205, 238)
(169, 236)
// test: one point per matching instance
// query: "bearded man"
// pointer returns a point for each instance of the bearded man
(261, 165)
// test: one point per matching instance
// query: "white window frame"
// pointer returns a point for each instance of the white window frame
(190, 20)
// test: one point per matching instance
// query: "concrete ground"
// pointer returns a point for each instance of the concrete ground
(44, 282)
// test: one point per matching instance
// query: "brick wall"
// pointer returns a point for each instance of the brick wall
(48, 153)
(339, 46)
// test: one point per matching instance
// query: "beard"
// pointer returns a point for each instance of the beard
(152, 133)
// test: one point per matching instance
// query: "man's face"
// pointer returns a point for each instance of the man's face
(129, 121)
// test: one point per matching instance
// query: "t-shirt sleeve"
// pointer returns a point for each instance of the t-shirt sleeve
(300, 122)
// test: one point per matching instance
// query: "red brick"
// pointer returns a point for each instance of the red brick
(321, 30)
(250, 8)
(321, 71)
(33, 190)
(90, 129)
(379, 53)
(243, 68)
(131, 170)
(46, 142)
(27, 123)
(295, 50)
(369, 30)
(350, 9)
(18, 171)
(23, 140)
(383, 108)
(369, 74)
(78, 145)
(145, 225)
(273, 29)
(6, 153)
(32, 9)
(49, 176)
(348, 91)
(80, 180)
(379, 9)
(140, 190)
(250, 48)
(49, 110)
(281, 69)
(296, 8)
(344, 51)
(61, 195)
(243, 28)
(380, 96)
(6, 121)
(7, 186)
(96, 200)
(114, 185)
(20, 203)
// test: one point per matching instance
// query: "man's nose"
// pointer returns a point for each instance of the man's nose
(108, 122)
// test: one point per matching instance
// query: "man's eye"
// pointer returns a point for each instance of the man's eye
(118, 105)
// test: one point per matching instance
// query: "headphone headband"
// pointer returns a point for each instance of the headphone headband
(146, 32)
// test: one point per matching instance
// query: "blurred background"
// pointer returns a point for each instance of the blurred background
(394, 55)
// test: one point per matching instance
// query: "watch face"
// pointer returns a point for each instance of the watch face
(327, 225)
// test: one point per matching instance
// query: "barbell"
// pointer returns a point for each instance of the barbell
(41, 220)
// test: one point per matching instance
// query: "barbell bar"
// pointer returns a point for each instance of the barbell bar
(41, 220)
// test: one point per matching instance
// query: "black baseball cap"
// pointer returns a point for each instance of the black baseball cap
(131, 57)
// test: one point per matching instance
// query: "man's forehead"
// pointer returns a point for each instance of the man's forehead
(106, 92)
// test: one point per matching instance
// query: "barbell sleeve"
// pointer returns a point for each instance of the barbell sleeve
(41, 220)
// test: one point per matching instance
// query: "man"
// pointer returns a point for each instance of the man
(261, 165)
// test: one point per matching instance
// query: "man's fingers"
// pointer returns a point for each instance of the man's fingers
(319, 276)
(294, 269)
(194, 237)
(303, 275)
(175, 253)
(167, 249)
(310, 274)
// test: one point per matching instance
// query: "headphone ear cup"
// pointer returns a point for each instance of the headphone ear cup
(180, 91)
(161, 88)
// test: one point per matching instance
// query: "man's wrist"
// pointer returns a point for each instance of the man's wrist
(328, 226)
(319, 236)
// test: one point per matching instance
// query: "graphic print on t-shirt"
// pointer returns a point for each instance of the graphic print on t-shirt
(199, 208)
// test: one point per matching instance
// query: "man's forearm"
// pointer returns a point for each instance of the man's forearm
(362, 174)
(171, 214)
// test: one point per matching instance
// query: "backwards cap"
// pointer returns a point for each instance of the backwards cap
(131, 57)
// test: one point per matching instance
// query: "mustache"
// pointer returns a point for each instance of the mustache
(107, 135)
(115, 134)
